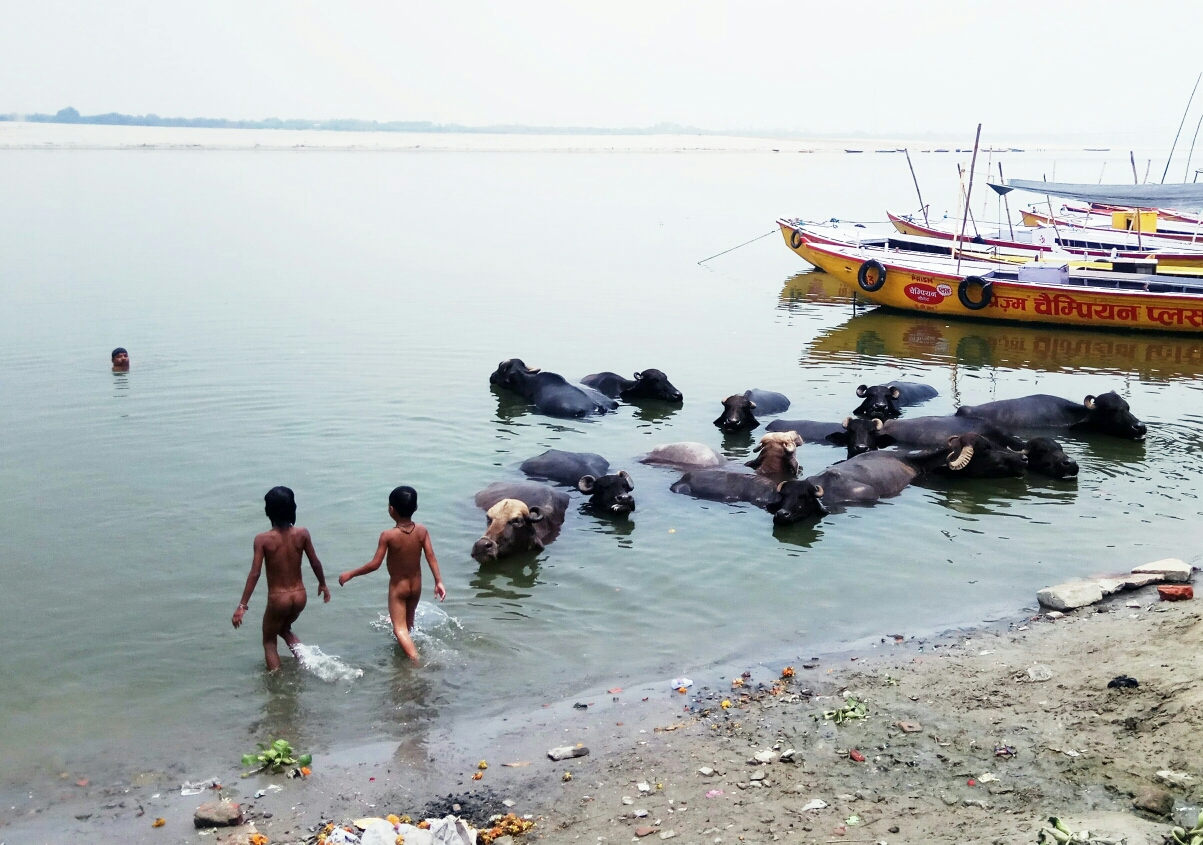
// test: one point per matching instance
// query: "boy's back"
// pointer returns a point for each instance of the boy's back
(282, 549)
(405, 543)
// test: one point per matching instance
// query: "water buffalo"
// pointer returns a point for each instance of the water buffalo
(777, 455)
(723, 485)
(885, 401)
(520, 517)
(550, 393)
(977, 456)
(1105, 414)
(609, 494)
(861, 480)
(1045, 456)
(649, 384)
(808, 430)
(685, 455)
(737, 409)
(566, 468)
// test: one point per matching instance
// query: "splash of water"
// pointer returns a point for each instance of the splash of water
(325, 666)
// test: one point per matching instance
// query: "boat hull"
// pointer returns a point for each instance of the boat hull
(928, 289)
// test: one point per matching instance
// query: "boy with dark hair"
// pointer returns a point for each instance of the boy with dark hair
(404, 545)
(281, 549)
(120, 359)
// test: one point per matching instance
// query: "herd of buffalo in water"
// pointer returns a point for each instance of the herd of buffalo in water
(978, 441)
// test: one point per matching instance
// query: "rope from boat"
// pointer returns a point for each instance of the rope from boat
(745, 243)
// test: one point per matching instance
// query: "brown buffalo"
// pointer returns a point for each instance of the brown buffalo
(520, 517)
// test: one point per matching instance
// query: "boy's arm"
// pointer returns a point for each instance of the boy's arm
(317, 567)
(439, 589)
(251, 580)
(371, 566)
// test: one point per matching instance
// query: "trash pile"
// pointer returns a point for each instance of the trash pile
(400, 830)
(1057, 833)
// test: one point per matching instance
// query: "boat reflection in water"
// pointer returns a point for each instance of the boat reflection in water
(814, 286)
(934, 340)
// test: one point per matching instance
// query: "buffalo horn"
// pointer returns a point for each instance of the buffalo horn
(846, 421)
(638, 375)
(779, 486)
(862, 390)
(961, 460)
(877, 424)
(536, 515)
(1089, 403)
(585, 485)
(895, 392)
(819, 491)
(626, 476)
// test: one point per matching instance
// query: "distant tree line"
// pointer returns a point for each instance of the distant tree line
(70, 115)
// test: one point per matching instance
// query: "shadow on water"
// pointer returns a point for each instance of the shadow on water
(802, 534)
(614, 526)
(996, 496)
(507, 578)
(935, 340)
(738, 444)
(654, 411)
(510, 406)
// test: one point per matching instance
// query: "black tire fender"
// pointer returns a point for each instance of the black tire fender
(795, 238)
(986, 286)
(862, 275)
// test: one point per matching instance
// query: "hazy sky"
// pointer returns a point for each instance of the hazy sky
(888, 67)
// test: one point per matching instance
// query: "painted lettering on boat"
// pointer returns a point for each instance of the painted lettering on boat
(1009, 303)
(944, 290)
(1064, 305)
(923, 294)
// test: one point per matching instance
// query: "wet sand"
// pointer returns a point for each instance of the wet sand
(960, 744)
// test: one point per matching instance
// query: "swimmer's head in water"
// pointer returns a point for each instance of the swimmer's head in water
(120, 357)
(280, 506)
(404, 500)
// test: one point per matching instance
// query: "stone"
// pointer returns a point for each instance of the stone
(787, 755)
(668, 834)
(643, 786)
(756, 776)
(644, 831)
(1176, 592)
(814, 804)
(218, 814)
(950, 800)
(1110, 586)
(628, 800)
(1153, 800)
(1069, 595)
(567, 752)
(766, 757)
(1055, 614)
(909, 727)
(705, 771)
(1171, 569)
(1135, 582)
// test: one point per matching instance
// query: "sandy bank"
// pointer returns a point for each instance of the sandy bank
(960, 744)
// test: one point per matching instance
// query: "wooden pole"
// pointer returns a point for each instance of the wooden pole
(915, 179)
(1180, 125)
(969, 192)
(1191, 154)
(1132, 158)
(1006, 201)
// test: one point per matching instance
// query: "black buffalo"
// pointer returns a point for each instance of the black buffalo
(566, 468)
(721, 485)
(1046, 457)
(738, 409)
(885, 401)
(977, 456)
(520, 516)
(551, 394)
(861, 480)
(649, 384)
(1105, 414)
(609, 494)
(858, 435)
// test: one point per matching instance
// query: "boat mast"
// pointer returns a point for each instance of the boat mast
(969, 193)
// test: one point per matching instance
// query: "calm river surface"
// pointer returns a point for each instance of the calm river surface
(329, 321)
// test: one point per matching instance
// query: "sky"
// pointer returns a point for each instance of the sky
(886, 68)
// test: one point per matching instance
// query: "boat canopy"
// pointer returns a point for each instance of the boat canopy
(1187, 196)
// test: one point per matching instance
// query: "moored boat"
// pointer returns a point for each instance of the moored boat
(980, 290)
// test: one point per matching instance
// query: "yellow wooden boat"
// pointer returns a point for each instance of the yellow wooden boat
(979, 290)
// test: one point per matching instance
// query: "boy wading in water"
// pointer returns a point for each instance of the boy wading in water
(404, 545)
(281, 550)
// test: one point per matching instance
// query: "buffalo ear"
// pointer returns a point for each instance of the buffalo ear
(862, 390)
(1089, 403)
(535, 515)
(847, 421)
(878, 425)
(839, 438)
(586, 483)
(755, 462)
(895, 392)
(626, 476)
(758, 446)
(751, 405)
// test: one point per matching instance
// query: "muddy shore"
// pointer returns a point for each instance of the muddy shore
(961, 742)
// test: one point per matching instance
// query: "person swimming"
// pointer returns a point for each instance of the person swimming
(120, 359)
(281, 549)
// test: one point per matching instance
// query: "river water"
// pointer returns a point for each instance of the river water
(329, 321)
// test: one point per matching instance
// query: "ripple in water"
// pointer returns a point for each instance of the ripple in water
(328, 667)
(433, 629)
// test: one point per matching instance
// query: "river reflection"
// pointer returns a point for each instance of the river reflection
(510, 579)
(934, 340)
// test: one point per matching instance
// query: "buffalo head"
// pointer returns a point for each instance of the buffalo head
(1109, 414)
(800, 499)
(861, 435)
(652, 384)
(1046, 457)
(609, 494)
(737, 415)
(511, 372)
(511, 528)
(976, 456)
(777, 454)
(881, 401)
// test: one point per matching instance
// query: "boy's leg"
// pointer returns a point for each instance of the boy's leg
(271, 629)
(299, 600)
(281, 611)
(397, 609)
